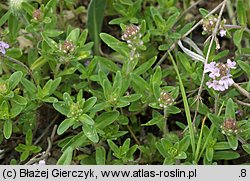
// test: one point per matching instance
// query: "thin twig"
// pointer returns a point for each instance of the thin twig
(213, 37)
(16, 62)
(241, 90)
(46, 130)
(133, 135)
(242, 103)
(188, 9)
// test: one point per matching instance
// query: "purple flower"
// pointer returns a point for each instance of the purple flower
(220, 75)
(230, 64)
(222, 33)
(215, 85)
(226, 81)
(3, 46)
(214, 71)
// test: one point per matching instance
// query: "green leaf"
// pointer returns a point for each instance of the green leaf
(106, 119)
(52, 44)
(55, 84)
(83, 37)
(95, 19)
(28, 8)
(14, 52)
(85, 119)
(203, 12)
(181, 155)
(157, 76)
(52, 33)
(16, 110)
(221, 54)
(222, 146)
(61, 107)
(117, 84)
(7, 128)
(29, 86)
(238, 37)
(154, 121)
(185, 62)
(100, 155)
(215, 120)
(109, 64)
(244, 66)
(20, 100)
(144, 67)
(67, 99)
(89, 104)
(4, 18)
(28, 137)
(173, 110)
(4, 110)
(241, 12)
(226, 155)
(65, 125)
(162, 150)
(51, 5)
(42, 93)
(74, 35)
(66, 157)
(76, 141)
(13, 25)
(14, 79)
(24, 155)
(113, 146)
(38, 63)
(115, 44)
(20, 148)
(230, 111)
(171, 21)
(90, 133)
(131, 98)
(209, 154)
(125, 146)
(246, 147)
(184, 143)
(107, 89)
(233, 141)
(140, 82)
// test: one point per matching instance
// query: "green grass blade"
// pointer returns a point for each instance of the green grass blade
(95, 19)
(186, 106)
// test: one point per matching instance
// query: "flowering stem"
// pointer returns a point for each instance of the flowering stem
(242, 103)
(213, 36)
(165, 123)
(216, 103)
(241, 90)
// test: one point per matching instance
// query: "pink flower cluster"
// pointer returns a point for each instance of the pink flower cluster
(220, 75)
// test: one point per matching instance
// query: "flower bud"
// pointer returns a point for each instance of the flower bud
(37, 14)
(131, 32)
(67, 46)
(229, 127)
(165, 99)
(209, 23)
(3, 88)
